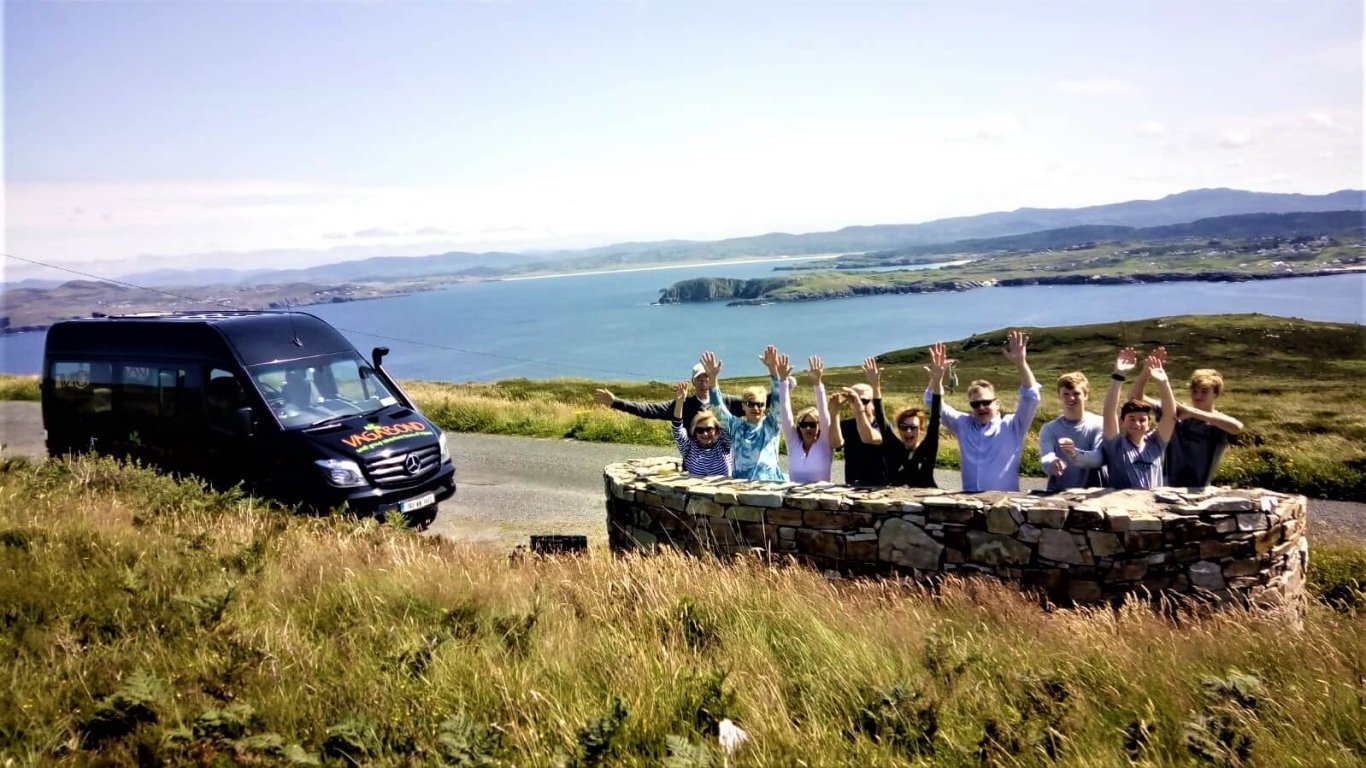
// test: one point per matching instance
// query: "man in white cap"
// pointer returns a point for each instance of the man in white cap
(664, 411)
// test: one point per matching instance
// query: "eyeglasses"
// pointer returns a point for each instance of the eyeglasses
(981, 403)
(908, 427)
(865, 401)
(701, 430)
(752, 404)
(807, 424)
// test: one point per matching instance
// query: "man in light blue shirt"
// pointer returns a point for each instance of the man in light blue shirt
(990, 444)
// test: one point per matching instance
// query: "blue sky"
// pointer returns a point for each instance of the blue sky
(241, 134)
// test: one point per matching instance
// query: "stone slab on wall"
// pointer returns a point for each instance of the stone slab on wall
(1235, 546)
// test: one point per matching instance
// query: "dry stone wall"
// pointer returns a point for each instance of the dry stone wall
(1243, 546)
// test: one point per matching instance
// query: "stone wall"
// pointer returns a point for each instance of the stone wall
(1243, 546)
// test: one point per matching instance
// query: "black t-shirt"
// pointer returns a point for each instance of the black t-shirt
(864, 464)
(1194, 453)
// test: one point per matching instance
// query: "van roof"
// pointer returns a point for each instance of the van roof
(256, 337)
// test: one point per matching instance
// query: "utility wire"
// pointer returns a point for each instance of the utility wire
(228, 304)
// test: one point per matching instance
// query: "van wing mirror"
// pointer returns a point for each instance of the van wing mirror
(377, 356)
(245, 422)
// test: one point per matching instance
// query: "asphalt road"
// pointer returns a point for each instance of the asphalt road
(512, 487)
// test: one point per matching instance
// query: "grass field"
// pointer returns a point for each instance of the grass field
(1293, 383)
(149, 621)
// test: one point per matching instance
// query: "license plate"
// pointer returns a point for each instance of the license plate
(426, 500)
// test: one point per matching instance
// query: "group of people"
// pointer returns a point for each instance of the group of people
(1139, 443)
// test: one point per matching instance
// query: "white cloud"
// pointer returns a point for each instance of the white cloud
(1235, 139)
(1091, 86)
(1152, 130)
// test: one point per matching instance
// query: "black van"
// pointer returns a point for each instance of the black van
(279, 401)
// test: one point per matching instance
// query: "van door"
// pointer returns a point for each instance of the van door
(231, 455)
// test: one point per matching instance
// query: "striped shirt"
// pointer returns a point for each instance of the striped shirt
(702, 461)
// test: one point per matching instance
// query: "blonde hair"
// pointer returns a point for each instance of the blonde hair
(1208, 377)
(755, 394)
(703, 417)
(810, 411)
(1075, 380)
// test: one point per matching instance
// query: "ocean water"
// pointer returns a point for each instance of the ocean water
(606, 326)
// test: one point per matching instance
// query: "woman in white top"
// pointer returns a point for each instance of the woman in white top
(809, 454)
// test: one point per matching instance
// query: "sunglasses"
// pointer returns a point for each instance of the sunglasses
(865, 401)
(701, 430)
(752, 404)
(908, 427)
(807, 424)
(981, 403)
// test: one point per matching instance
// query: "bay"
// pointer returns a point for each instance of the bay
(606, 325)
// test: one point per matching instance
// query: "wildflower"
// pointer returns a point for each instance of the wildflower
(731, 737)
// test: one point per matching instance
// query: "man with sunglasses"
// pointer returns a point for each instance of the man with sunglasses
(989, 444)
(861, 436)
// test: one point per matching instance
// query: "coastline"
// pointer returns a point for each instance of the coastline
(659, 267)
(941, 286)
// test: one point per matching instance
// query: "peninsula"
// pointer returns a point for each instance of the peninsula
(1225, 249)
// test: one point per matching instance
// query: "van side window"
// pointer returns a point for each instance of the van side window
(223, 396)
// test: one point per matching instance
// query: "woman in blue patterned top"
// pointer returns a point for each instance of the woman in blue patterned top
(753, 439)
(704, 446)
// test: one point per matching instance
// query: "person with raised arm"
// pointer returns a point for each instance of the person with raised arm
(1132, 449)
(990, 444)
(809, 455)
(1075, 428)
(861, 436)
(753, 439)
(1202, 431)
(910, 446)
(705, 448)
(664, 410)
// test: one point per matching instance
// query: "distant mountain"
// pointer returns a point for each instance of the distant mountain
(1171, 210)
(374, 268)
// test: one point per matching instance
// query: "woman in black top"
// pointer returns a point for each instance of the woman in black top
(910, 446)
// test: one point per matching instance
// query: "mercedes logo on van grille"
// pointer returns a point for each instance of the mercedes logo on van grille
(412, 464)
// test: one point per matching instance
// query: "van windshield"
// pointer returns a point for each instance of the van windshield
(306, 392)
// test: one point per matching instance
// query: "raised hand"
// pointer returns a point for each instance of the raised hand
(939, 361)
(1126, 361)
(1159, 352)
(870, 371)
(784, 366)
(1017, 343)
(681, 390)
(770, 358)
(604, 397)
(711, 364)
(1156, 371)
(817, 368)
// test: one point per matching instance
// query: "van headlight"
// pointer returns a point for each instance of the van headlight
(445, 450)
(341, 473)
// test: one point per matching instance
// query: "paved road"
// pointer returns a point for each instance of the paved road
(512, 487)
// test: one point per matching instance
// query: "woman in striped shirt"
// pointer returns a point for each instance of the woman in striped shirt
(704, 447)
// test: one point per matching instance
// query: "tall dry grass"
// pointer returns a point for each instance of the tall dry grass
(149, 620)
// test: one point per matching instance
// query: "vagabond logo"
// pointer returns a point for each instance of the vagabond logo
(375, 436)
